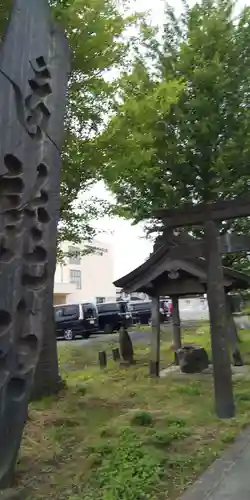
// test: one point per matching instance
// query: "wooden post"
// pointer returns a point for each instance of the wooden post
(102, 359)
(176, 325)
(233, 335)
(116, 354)
(155, 338)
(223, 390)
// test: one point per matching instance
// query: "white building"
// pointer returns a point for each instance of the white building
(193, 308)
(86, 277)
(121, 295)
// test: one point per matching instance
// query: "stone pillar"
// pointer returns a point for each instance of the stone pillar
(154, 368)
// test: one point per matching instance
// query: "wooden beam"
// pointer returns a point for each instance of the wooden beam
(154, 367)
(181, 287)
(223, 390)
(176, 323)
(189, 214)
(228, 243)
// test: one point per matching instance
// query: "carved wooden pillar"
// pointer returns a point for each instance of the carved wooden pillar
(33, 79)
(224, 401)
(176, 324)
(155, 338)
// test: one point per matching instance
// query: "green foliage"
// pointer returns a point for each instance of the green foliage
(142, 418)
(129, 471)
(5, 6)
(191, 389)
(243, 396)
(228, 436)
(182, 129)
(95, 31)
(176, 421)
(165, 438)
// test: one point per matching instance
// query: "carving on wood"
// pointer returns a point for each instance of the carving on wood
(23, 237)
(33, 74)
(37, 113)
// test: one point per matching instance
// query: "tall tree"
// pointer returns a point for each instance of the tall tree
(95, 30)
(197, 148)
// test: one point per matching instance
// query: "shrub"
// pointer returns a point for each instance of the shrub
(142, 418)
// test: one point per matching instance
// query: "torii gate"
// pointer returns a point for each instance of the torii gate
(209, 215)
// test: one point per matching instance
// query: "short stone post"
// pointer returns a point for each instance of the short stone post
(102, 359)
(116, 354)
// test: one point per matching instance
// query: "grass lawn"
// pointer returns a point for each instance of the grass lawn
(115, 434)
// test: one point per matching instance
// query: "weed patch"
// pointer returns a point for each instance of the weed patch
(142, 418)
(118, 434)
(136, 471)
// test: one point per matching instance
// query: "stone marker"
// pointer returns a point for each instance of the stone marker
(126, 346)
(34, 70)
(192, 359)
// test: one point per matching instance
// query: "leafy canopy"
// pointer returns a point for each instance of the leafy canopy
(95, 31)
(182, 127)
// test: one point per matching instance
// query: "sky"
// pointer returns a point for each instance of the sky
(130, 247)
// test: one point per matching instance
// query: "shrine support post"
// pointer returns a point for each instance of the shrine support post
(224, 401)
(154, 368)
(176, 324)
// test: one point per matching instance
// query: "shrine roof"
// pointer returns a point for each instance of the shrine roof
(158, 266)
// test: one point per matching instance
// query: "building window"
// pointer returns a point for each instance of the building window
(74, 256)
(76, 278)
(100, 300)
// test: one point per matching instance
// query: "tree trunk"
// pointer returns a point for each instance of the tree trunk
(47, 380)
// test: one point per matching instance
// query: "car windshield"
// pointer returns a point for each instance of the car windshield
(62, 312)
(89, 310)
(123, 307)
(58, 312)
(108, 307)
(141, 306)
